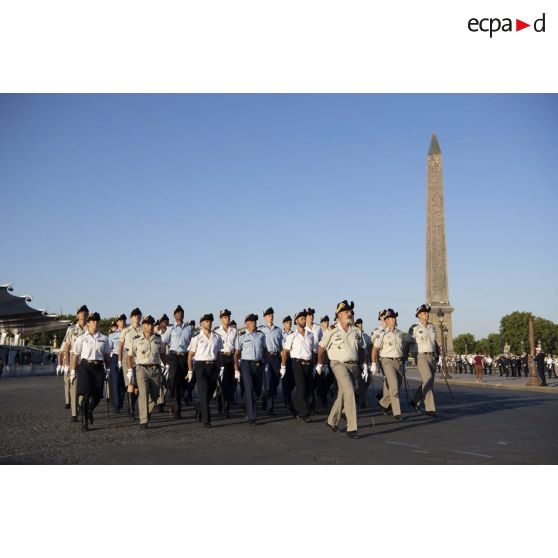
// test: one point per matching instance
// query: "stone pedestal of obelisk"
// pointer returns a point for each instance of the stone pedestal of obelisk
(437, 294)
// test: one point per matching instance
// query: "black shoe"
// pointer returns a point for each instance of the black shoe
(161, 408)
(332, 428)
(207, 424)
(226, 413)
(353, 434)
(91, 419)
(143, 426)
(431, 413)
(306, 419)
(74, 419)
(252, 422)
(198, 417)
(398, 417)
(293, 411)
(415, 406)
(384, 410)
(67, 406)
(84, 426)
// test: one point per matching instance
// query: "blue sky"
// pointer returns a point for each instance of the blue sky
(247, 201)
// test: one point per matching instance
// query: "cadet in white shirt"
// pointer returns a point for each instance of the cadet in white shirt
(73, 332)
(391, 346)
(205, 348)
(226, 362)
(163, 326)
(422, 337)
(300, 346)
(92, 349)
(319, 382)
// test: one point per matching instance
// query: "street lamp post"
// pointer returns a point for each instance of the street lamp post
(440, 315)
(533, 379)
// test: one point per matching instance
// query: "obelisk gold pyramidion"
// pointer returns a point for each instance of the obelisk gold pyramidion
(437, 294)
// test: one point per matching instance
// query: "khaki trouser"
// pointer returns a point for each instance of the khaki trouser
(426, 365)
(393, 379)
(149, 380)
(125, 368)
(345, 374)
(67, 388)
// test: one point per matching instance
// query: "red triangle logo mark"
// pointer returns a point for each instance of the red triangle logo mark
(519, 25)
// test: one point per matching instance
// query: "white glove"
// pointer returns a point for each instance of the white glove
(129, 375)
(221, 371)
(283, 371)
(72, 375)
(440, 361)
(237, 374)
(119, 364)
(59, 370)
(190, 375)
(166, 372)
(318, 369)
(374, 368)
(107, 373)
(365, 372)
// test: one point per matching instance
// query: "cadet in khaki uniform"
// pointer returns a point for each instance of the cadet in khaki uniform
(124, 346)
(422, 336)
(73, 332)
(390, 345)
(145, 351)
(344, 345)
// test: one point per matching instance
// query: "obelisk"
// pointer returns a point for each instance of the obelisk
(437, 294)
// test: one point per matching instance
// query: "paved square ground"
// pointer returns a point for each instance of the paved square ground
(488, 426)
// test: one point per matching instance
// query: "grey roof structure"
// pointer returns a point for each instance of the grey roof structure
(16, 316)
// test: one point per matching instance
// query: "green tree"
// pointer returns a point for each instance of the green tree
(515, 331)
(464, 343)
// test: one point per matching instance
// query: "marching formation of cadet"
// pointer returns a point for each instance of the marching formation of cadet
(332, 364)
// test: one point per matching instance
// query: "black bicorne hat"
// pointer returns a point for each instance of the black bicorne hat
(251, 318)
(422, 308)
(344, 306)
(301, 314)
(391, 313)
(148, 320)
(94, 317)
(206, 317)
(287, 319)
(178, 309)
(135, 312)
(82, 308)
(225, 312)
(268, 311)
(325, 319)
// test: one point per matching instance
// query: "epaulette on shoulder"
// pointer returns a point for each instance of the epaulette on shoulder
(412, 327)
(332, 327)
(242, 332)
(215, 328)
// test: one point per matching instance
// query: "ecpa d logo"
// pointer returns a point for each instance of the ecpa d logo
(492, 25)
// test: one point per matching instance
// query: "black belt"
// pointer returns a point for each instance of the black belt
(350, 362)
(302, 360)
(276, 353)
(149, 365)
(427, 353)
(390, 358)
(256, 362)
(94, 361)
(206, 361)
(226, 354)
(179, 354)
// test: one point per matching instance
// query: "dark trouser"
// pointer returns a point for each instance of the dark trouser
(226, 385)
(304, 382)
(178, 368)
(362, 387)
(540, 372)
(288, 383)
(252, 375)
(271, 379)
(117, 386)
(90, 383)
(206, 377)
